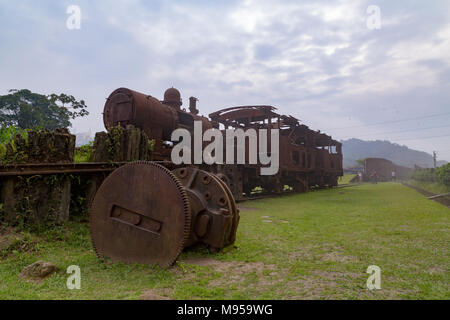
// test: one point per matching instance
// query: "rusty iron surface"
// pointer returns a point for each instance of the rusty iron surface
(126, 106)
(140, 214)
(214, 213)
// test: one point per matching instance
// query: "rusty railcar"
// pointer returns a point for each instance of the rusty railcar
(307, 158)
(384, 169)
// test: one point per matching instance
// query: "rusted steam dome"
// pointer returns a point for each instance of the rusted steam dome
(172, 97)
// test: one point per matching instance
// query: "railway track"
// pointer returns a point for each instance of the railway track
(57, 168)
(441, 198)
(104, 167)
(265, 196)
(62, 168)
(259, 196)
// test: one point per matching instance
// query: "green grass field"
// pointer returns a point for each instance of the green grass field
(315, 245)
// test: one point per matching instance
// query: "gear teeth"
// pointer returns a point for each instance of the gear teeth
(186, 209)
(186, 205)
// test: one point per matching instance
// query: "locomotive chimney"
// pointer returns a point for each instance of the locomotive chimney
(172, 97)
(193, 105)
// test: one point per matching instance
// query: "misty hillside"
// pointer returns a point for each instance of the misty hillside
(354, 149)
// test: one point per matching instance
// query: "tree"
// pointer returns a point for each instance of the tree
(28, 110)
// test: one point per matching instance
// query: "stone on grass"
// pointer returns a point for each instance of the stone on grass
(38, 271)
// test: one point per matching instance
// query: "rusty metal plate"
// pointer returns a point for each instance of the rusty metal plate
(140, 214)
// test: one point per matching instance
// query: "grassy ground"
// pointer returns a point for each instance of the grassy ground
(437, 188)
(316, 245)
(346, 178)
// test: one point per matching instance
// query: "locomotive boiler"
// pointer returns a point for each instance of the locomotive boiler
(157, 118)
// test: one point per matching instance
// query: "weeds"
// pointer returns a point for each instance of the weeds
(84, 153)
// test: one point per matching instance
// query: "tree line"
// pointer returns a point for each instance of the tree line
(24, 109)
(440, 175)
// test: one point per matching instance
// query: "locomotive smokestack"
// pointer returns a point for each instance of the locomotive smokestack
(193, 105)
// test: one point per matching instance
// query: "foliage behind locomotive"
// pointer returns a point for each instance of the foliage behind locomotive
(307, 158)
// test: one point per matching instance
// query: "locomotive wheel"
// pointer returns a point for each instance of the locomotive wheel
(209, 198)
(140, 214)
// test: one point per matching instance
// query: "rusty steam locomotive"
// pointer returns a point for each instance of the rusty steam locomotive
(148, 212)
(307, 159)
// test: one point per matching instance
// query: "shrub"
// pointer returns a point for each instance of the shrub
(443, 174)
(8, 136)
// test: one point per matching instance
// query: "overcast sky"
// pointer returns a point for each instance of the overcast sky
(315, 60)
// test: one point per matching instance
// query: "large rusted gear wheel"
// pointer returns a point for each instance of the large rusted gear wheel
(214, 213)
(140, 214)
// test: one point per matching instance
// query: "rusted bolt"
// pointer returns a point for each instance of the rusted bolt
(183, 173)
(206, 179)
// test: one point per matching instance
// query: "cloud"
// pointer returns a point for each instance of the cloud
(315, 60)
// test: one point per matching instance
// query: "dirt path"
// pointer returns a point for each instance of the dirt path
(443, 200)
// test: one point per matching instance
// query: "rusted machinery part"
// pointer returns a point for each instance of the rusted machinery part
(214, 213)
(140, 214)
(224, 178)
(235, 210)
